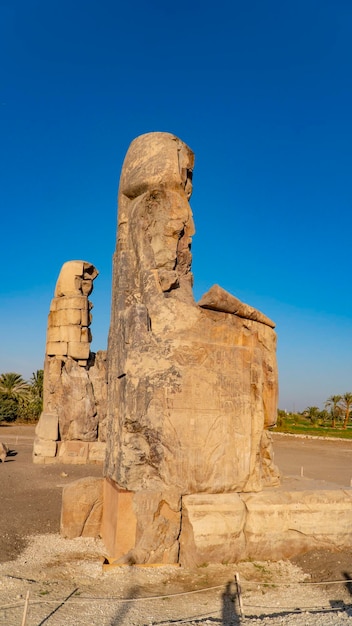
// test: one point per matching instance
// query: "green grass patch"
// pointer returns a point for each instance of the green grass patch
(299, 425)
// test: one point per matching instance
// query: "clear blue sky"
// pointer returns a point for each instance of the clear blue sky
(260, 90)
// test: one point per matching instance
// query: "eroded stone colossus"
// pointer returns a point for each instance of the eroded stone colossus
(191, 387)
(74, 378)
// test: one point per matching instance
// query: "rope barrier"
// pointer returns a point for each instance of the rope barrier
(298, 582)
(244, 583)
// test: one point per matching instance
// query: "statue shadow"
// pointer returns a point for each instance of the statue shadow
(348, 577)
(230, 610)
(341, 605)
(125, 607)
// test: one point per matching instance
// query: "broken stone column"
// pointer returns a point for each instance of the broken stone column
(75, 384)
(191, 387)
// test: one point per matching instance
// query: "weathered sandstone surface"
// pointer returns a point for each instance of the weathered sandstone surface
(82, 507)
(225, 528)
(75, 394)
(191, 388)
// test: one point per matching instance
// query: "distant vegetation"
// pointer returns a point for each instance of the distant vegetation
(333, 421)
(21, 400)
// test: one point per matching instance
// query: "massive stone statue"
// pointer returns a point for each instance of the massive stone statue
(75, 393)
(191, 387)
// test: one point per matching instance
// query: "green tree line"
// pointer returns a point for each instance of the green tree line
(337, 411)
(20, 399)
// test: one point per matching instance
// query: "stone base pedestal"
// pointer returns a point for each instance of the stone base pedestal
(272, 525)
(141, 527)
(69, 452)
(119, 521)
(82, 507)
(150, 527)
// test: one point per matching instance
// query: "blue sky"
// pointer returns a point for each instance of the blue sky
(260, 90)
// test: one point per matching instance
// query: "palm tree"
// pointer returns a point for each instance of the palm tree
(312, 413)
(14, 392)
(36, 384)
(13, 386)
(346, 405)
(333, 403)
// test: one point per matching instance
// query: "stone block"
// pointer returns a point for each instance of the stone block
(119, 521)
(43, 447)
(45, 460)
(73, 452)
(78, 350)
(282, 524)
(96, 452)
(86, 336)
(70, 333)
(40, 460)
(82, 506)
(65, 317)
(48, 427)
(86, 318)
(212, 529)
(158, 527)
(56, 348)
(53, 334)
(71, 302)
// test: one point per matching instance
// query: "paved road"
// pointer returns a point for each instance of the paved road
(321, 459)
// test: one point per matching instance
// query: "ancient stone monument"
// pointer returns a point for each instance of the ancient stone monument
(72, 425)
(191, 387)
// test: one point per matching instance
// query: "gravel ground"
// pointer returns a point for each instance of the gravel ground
(67, 584)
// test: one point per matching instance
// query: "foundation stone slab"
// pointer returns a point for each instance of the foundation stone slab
(43, 447)
(283, 524)
(82, 506)
(96, 452)
(48, 427)
(212, 529)
(75, 452)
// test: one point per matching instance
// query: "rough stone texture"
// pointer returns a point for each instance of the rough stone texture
(119, 521)
(73, 400)
(212, 529)
(217, 299)
(74, 378)
(48, 427)
(141, 527)
(280, 525)
(82, 507)
(43, 448)
(96, 452)
(73, 452)
(268, 525)
(98, 377)
(191, 388)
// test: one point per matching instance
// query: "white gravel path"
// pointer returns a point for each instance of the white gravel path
(67, 586)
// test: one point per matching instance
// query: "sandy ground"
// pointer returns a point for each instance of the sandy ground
(67, 584)
(30, 495)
